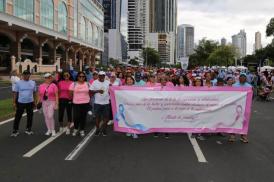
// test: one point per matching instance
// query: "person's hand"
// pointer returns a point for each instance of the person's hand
(101, 91)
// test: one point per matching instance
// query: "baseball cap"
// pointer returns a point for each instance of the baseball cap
(26, 72)
(47, 75)
(243, 74)
(102, 73)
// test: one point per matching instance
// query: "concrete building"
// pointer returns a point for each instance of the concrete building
(112, 24)
(185, 40)
(258, 41)
(223, 42)
(239, 42)
(44, 35)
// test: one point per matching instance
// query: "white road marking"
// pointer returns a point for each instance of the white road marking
(81, 146)
(5, 87)
(12, 119)
(42, 145)
(197, 149)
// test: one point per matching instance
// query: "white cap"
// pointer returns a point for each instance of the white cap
(102, 73)
(60, 70)
(47, 75)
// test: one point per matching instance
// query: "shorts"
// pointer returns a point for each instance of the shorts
(102, 110)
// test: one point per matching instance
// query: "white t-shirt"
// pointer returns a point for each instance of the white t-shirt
(13, 80)
(101, 99)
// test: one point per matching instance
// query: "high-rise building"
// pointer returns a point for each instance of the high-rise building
(145, 24)
(185, 40)
(223, 41)
(112, 22)
(239, 42)
(258, 41)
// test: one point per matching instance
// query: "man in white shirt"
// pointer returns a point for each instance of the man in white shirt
(100, 90)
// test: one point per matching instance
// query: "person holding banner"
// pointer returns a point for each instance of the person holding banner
(100, 90)
(241, 83)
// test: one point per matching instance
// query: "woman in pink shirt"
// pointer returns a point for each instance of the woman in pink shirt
(79, 91)
(152, 81)
(48, 95)
(65, 101)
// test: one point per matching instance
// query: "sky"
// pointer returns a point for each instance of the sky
(215, 19)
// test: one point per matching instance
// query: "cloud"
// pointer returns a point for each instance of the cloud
(215, 19)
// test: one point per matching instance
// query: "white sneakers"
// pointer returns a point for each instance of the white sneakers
(67, 131)
(82, 133)
(74, 132)
(110, 122)
(90, 113)
(48, 133)
(51, 132)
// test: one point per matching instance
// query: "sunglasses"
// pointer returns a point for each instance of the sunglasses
(82, 76)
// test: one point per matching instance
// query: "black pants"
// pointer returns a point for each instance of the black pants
(79, 115)
(20, 108)
(65, 104)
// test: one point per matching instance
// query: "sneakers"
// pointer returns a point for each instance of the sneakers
(110, 122)
(29, 132)
(128, 134)
(82, 133)
(48, 133)
(134, 136)
(90, 113)
(156, 135)
(53, 133)
(61, 129)
(166, 136)
(104, 133)
(74, 132)
(97, 132)
(67, 131)
(14, 134)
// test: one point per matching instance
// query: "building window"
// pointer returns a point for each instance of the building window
(47, 10)
(95, 36)
(62, 17)
(75, 16)
(2, 5)
(24, 9)
(90, 32)
(83, 28)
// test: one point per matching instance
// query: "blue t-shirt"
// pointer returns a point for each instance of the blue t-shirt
(238, 84)
(140, 83)
(25, 91)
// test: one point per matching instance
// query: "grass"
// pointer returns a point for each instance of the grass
(6, 109)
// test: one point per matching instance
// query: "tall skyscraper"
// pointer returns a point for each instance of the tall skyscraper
(223, 41)
(258, 41)
(112, 24)
(239, 42)
(185, 40)
(145, 24)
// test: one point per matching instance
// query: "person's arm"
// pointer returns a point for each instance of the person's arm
(57, 99)
(93, 90)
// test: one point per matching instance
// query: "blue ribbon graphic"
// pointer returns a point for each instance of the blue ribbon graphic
(121, 112)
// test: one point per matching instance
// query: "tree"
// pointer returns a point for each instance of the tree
(151, 57)
(203, 51)
(113, 62)
(270, 28)
(133, 62)
(222, 56)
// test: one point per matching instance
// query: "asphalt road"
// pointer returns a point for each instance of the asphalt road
(117, 158)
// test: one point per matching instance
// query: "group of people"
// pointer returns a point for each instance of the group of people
(87, 92)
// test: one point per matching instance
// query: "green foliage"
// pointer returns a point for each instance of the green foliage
(223, 56)
(6, 109)
(210, 53)
(151, 57)
(134, 62)
(270, 28)
(113, 62)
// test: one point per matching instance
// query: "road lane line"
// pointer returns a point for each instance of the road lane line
(42, 145)
(12, 119)
(197, 149)
(81, 146)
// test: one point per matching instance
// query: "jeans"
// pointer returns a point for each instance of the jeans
(79, 115)
(20, 108)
